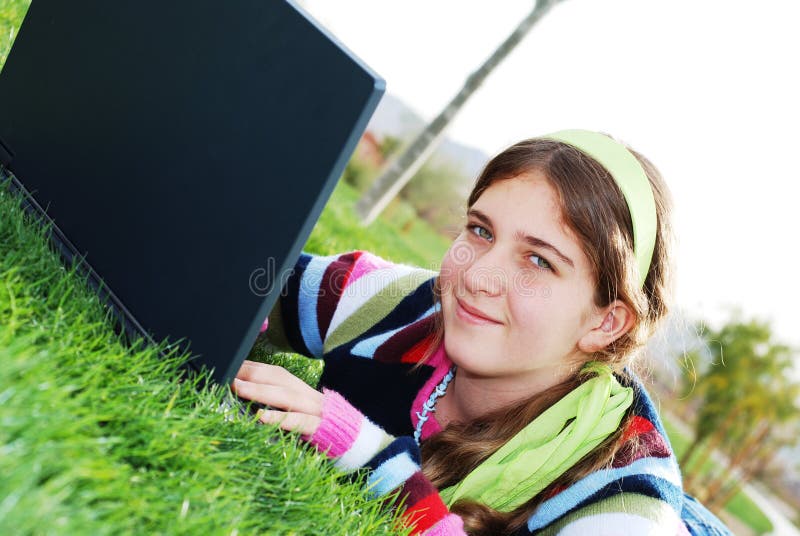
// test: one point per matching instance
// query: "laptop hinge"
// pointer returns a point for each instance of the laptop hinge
(6, 156)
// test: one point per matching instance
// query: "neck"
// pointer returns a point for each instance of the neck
(471, 396)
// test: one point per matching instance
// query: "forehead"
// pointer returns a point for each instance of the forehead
(525, 200)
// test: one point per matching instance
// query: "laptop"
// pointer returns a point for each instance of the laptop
(182, 152)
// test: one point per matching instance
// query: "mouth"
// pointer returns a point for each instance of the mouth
(472, 315)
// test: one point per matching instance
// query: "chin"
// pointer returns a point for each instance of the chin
(467, 353)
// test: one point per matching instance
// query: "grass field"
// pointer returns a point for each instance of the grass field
(98, 438)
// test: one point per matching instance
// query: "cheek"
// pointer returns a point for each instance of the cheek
(531, 288)
(457, 259)
(549, 317)
(446, 279)
(461, 253)
(531, 316)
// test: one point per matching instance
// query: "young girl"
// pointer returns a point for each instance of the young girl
(495, 395)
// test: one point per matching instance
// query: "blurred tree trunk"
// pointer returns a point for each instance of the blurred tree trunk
(763, 456)
(736, 464)
(753, 465)
(402, 168)
(690, 451)
(690, 481)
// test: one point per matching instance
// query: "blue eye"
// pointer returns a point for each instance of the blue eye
(480, 231)
(540, 262)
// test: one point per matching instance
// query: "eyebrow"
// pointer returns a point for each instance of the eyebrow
(521, 236)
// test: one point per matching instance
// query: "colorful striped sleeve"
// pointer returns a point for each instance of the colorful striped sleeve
(330, 301)
(353, 442)
(621, 514)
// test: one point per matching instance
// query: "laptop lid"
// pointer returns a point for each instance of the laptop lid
(184, 150)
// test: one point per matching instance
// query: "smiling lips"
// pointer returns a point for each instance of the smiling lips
(473, 315)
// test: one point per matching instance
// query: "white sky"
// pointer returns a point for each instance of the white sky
(707, 89)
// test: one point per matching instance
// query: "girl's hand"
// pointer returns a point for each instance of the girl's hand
(291, 403)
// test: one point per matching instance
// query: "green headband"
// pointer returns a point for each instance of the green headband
(631, 179)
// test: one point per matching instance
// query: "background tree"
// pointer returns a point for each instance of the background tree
(746, 397)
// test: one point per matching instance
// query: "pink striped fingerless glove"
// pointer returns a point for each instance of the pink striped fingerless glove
(345, 435)
(353, 441)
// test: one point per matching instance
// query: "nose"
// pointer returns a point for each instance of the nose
(487, 273)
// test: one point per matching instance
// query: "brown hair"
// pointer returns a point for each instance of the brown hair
(594, 208)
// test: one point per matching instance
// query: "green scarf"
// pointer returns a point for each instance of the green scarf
(548, 446)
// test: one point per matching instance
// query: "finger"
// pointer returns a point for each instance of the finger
(290, 421)
(257, 372)
(305, 400)
(270, 374)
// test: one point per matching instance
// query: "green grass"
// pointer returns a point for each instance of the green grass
(740, 505)
(746, 510)
(100, 438)
(11, 14)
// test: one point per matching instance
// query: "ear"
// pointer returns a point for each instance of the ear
(612, 322)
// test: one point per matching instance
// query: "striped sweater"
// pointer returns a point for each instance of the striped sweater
(370, 320)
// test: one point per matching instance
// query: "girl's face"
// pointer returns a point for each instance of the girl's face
(517, 290)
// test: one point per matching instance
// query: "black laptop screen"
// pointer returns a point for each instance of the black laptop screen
(185, 147)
